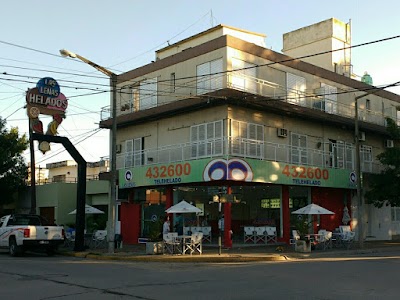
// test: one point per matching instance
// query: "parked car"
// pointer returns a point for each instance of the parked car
(21, 232)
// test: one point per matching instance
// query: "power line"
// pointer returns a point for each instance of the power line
(166, 42)
(41, 65)
(160, 93)
(56, 72)
(75, 143)
(27, 48)
(62, 80)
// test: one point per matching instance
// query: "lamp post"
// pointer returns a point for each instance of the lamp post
(360, 199)
(113, 170)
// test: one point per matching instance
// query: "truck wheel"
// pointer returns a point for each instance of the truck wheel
(14, 249)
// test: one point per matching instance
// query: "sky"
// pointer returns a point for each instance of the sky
(122, 35)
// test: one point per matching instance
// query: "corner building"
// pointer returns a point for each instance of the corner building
(219, 117)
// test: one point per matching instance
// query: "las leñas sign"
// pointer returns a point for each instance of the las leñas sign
(46, 99)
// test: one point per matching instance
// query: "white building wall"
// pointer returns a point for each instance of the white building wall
(379, 224)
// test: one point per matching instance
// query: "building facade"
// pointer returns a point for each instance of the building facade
(218, 117)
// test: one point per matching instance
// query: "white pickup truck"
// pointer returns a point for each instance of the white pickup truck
(20, 232)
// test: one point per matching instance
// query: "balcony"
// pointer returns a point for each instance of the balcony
(312, 99)
(336, 156)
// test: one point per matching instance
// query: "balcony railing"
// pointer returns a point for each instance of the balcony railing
(314, 99)
(336, 157)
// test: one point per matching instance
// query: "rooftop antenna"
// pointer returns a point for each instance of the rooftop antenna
(211, 18)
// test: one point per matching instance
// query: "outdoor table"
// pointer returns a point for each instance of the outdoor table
(319, 240)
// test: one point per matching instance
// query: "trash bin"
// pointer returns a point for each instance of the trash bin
(118, 241)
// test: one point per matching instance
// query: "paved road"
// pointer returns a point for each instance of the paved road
(37, 276)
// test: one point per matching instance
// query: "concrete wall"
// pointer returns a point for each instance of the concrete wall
(62, 196)
(324, 36)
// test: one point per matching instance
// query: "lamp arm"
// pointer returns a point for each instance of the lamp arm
(96, 66)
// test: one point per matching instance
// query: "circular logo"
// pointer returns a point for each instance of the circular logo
(49, 87)
(154, 218)
(233, 169)
(215, 170)
(239, 170)
(353, 177)
(34, 112)
(128, 175)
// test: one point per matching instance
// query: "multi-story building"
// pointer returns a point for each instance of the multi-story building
(218, 116)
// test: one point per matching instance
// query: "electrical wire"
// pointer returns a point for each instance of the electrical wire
(55, 72)
(63, 150)
(229, 71)
(27, 48)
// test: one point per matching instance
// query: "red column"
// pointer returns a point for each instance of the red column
(130, 222)
(227, 225)
(285, 214)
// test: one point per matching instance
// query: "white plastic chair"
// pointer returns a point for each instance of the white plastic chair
(196, 243)
(99, 238)
(195, 229)
(69, 239)
(260, 234)
(346, 235)
(271, 234)
(295, 237)
(206, 233)
(171, 245)
(324, 239)
(249, 235)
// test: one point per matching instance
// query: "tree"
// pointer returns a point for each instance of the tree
(385, 187)
(13, 169)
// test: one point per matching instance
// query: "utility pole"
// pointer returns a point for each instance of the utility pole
(113, 170)
(360, 198)
(33, 171)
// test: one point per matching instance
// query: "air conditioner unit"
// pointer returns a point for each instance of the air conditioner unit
(389, 143)
(282, 132)
(361, 136)
(118, 148)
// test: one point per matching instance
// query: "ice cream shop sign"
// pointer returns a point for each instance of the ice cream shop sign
(46, 99)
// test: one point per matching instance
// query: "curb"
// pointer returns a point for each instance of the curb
(229, 258)
(178, 258)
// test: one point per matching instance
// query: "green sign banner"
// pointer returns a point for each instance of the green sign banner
(248, 170)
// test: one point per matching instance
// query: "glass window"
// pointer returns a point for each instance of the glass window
(245, 76)
(328, 94)
(259, 206)
(247, 139)
(172, 83)
(296, 89)
(148, 93)
(298, 148)
(299, 196)
(59, 178)
(209, 76)
(206, 139)
(367, 104)
(134, 152)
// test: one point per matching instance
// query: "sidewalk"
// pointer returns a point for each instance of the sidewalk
(239, 253)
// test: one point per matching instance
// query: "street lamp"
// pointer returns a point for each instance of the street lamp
(113, 170)
(360, 198)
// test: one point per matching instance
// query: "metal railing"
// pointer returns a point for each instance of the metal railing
(247, 148)
(43, 181)
(257, 86)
